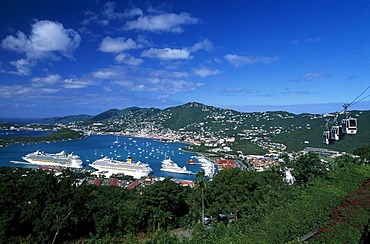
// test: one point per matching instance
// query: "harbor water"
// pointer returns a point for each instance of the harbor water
(94, 147)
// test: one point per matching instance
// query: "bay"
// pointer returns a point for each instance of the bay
(93, 147)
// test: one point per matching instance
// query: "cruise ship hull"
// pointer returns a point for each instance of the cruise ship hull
(136, 170)
(178, 171)
(169, 166)
(61, 159)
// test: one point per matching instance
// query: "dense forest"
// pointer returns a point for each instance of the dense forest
(329, 200)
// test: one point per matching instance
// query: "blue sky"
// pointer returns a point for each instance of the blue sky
(84, 57)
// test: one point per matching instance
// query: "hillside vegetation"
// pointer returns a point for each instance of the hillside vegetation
(253, 132)
(258, 128)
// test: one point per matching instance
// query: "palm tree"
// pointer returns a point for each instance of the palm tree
(200, 181)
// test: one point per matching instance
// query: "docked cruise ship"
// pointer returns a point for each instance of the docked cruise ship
(61, 159)
(170, 166)
(112, 166)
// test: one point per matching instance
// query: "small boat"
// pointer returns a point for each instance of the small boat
(191, 161)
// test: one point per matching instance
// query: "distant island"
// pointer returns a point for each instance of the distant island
(59, 135)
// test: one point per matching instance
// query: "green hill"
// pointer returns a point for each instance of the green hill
(265, 130)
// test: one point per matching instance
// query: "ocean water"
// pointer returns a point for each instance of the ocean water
(97, 146)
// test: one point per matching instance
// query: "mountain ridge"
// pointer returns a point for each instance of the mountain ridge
(267, 129)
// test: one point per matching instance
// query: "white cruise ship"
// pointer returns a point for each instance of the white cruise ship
(170, 166)
(207, 165)
(111, 166)
(61, 159)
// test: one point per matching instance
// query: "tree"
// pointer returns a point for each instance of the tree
(364, 153)
(161, 204)
(307, 167)
(230, 191)
(200, 181)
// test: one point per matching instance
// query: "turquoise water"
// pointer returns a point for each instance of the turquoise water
(97, 146)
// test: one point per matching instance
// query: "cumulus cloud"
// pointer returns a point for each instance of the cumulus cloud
(23, 66)
(205, 45)
(108, 73)
(237, 60)
(204, 72)
(165, 22)
(46, 40)
(117, 45)
(177, 53)
(50, 80)
(166, 53)
(54, 82)
(75, 84)
(128, 59)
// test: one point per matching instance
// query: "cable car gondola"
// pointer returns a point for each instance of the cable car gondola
(348, 125)
(326, 137)
(335, 132)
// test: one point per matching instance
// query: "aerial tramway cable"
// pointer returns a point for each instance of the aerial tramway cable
(359, 96)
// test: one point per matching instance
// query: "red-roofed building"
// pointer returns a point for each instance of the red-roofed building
(187, 183)
(133, 185)
(114, 182)
(225, 164)
(97, 182)
(149, 181)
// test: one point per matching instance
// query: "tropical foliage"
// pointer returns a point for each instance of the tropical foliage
(245, 207)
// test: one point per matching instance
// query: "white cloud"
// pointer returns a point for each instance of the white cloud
(237, 60)
(75, 84)
(165, 85)
(167, 22)
(134, 12)
(50, 80)
(109, 11)
(164, 82)
(18, 43)
(14, 91)
(49, 36)
(49, 90)
(23, 66)
(166, 53)
(204, 72)
(169, 74)
(128, 59)
(312, 76)
(205, 45)
(47, 39)
(109, 73)
(116, 45)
